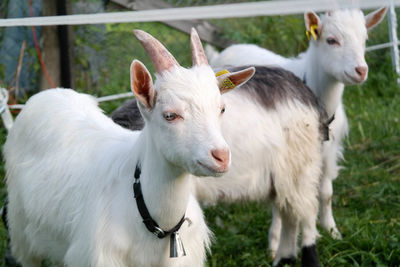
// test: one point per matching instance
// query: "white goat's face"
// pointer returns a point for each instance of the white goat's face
(340, 46)
(183, 114)
(185, 121)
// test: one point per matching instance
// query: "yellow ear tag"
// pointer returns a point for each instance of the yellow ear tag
(312, 32)
(222, 72)
(227, 84)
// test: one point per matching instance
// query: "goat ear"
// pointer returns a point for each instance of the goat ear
(142, 84)
(229, 80)
(374, 18)
(313, 23)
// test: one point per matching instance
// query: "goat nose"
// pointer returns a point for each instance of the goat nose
(221, 156)
(362, 72)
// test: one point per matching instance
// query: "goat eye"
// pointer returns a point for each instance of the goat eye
(222, 110)
(168, 116)
(332, 41)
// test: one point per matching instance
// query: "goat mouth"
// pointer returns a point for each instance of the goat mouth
(212, 168)
(353, 79)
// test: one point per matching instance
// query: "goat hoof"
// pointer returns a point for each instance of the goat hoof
(9, 260)
(286, 261)
(309, 257)
(272, 254)
(335, 234)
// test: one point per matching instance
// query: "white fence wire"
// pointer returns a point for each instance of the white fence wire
(265, 8)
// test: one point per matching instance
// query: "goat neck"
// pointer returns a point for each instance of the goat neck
(165, 186)
(327, 88)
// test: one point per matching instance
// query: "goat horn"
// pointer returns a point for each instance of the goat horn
(162, 59)
(198, 55)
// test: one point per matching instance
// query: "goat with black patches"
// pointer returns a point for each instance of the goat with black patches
(70, 169)
(334, 58)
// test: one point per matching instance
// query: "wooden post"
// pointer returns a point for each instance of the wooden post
(65, 39)
(57, 47)
(50, 48)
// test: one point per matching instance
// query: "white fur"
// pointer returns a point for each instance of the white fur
(70, 174)
(326, 69)
(276, 155)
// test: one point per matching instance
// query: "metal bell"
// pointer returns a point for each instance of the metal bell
(176, 248)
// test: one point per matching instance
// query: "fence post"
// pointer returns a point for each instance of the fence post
(5, 114)
(392, 22)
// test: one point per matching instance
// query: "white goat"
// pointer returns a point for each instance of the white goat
(70, 169)
(334, 58)
(273, 125)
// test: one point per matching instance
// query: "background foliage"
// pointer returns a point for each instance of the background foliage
(367, 193)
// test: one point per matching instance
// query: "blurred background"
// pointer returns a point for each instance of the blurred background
(95, 59)
(85, 57)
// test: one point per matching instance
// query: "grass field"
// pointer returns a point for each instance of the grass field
(366, 199)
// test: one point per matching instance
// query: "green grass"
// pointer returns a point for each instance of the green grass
(366, 198)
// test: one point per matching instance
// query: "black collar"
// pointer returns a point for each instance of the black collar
(326, 127)
(150, 224)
